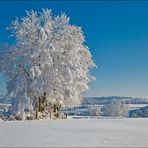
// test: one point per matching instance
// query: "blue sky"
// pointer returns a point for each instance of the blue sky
(116, 33)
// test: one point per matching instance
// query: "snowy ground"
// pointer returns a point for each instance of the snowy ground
(62, 133)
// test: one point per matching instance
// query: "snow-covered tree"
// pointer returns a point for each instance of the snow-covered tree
(49, 56)
(115, 109)
(94, 110)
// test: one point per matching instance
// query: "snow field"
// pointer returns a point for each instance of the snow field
(75, 133)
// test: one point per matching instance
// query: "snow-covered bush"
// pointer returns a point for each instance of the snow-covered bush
(49, 56)
(94, 110)
(115, 109)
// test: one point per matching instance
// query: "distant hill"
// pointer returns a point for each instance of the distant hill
(107, 100)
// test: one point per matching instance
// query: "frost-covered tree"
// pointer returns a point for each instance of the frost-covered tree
(94, 110)
(49, 56)
(17, 78)
(115, 109)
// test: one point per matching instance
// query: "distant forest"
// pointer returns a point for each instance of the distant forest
(108, 100)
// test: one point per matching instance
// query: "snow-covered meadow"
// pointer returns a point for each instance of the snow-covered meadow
(75, 133)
